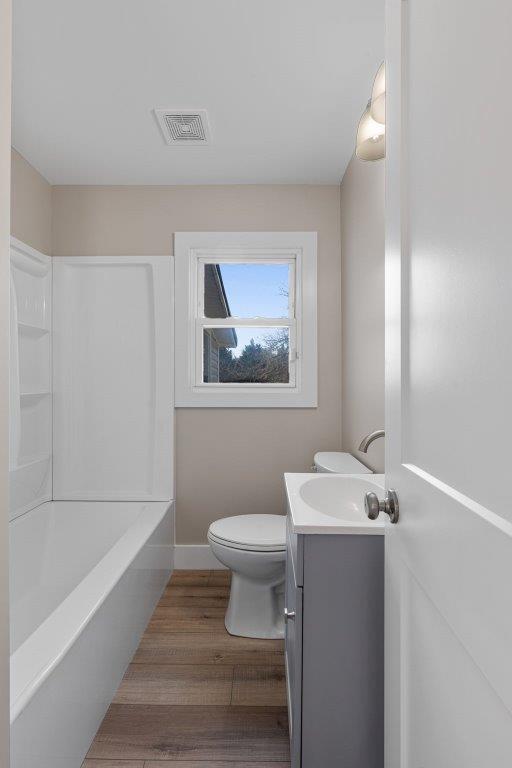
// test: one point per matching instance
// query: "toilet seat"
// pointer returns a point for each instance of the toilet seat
(253, 533)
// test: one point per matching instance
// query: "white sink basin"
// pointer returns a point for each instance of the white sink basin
(332, 503)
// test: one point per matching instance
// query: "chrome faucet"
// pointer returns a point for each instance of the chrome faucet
(368, 440)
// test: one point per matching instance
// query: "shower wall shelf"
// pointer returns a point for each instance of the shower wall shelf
(34, 394)
(31, 460)
(36, 330)
(30, 379)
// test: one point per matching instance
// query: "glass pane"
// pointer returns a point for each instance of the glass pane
(246, 290)
(246, 355)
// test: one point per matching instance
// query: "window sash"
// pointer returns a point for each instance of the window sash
(293, 355)
(202, 322)
(292, 270)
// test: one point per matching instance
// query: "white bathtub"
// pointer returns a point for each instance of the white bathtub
(85, 577)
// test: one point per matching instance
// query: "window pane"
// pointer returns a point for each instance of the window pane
(246, 355)
(246, 290)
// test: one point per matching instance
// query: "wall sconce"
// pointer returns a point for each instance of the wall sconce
(378, 107)
(371, 137)
(371, 132)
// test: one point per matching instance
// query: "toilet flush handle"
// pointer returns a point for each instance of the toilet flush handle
(289, 615)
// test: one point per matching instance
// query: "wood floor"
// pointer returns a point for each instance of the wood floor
(194, 696)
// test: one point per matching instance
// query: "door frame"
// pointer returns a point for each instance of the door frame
(5, 215)
(395, 245)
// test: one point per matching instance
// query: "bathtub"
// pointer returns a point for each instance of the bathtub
(85, 577)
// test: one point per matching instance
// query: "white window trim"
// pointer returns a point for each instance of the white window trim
(191, 250)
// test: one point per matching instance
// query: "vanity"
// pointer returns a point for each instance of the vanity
(334, 636)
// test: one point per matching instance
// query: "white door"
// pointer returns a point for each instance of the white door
(449, 384)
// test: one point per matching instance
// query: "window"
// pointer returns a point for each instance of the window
(246, 319)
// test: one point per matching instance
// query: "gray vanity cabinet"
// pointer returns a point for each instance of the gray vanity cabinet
(334, 649)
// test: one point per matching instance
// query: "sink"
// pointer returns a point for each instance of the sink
(339, 497)
(332, 503)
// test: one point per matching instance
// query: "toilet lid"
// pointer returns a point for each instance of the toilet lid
(256, 532)
(340, 463)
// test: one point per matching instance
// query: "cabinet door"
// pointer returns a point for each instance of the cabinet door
(293, 655)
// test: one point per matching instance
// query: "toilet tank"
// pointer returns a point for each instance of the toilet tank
(339, 463)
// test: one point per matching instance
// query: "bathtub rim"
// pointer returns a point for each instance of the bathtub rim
(37, 657)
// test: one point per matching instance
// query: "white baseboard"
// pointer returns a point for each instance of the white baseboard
(195, 557)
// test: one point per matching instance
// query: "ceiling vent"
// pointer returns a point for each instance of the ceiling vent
(184, 128)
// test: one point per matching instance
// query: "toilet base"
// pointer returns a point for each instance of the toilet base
(256, 600)
(255, 609)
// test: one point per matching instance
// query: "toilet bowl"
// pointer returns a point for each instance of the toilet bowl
(253, 547)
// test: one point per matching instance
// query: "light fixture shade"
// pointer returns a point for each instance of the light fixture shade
(371, 138)
(378, 100)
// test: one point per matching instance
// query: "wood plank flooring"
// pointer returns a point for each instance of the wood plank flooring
(194, 696)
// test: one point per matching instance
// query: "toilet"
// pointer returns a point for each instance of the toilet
(253, 547)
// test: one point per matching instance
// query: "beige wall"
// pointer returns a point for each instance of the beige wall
(31, 205)
(362, 299)
(229, 461)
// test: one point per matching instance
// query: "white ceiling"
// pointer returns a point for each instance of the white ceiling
(284, 83)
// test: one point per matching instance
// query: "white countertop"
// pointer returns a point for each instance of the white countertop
(328, 503)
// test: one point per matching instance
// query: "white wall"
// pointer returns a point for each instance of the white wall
(5, 203)
(362, 301)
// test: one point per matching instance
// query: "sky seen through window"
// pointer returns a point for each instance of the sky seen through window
(255, 290)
